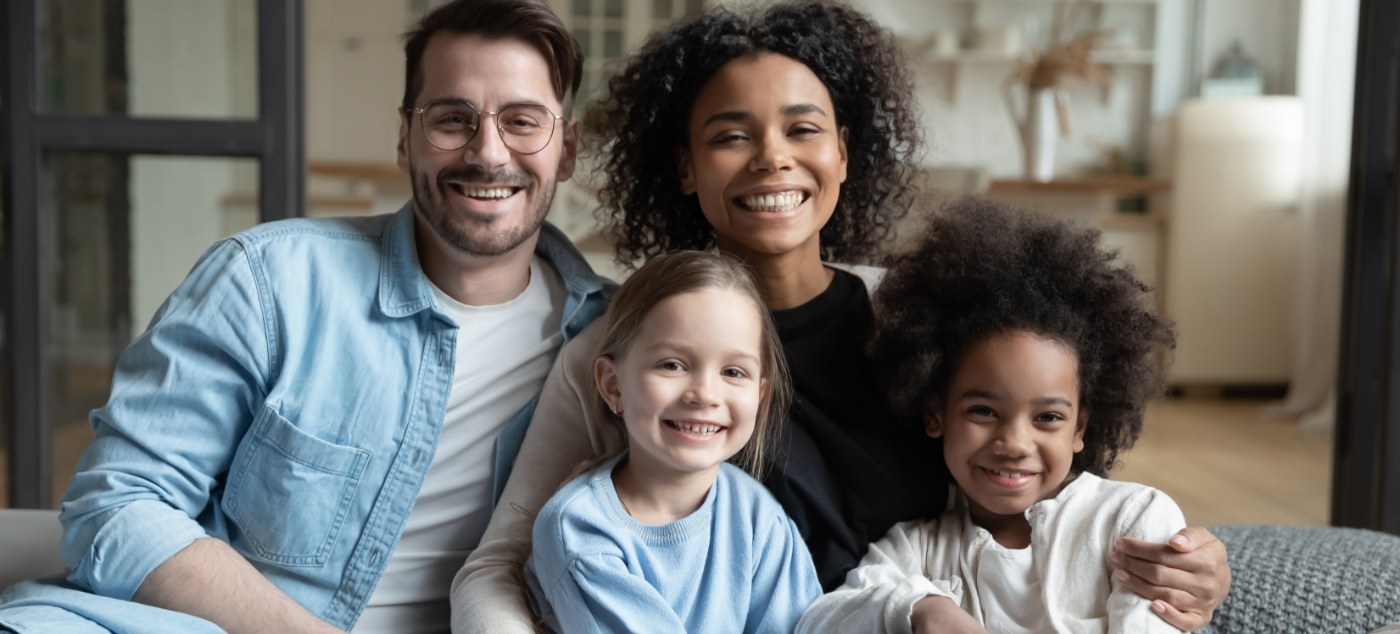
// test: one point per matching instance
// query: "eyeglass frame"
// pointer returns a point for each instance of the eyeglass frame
(422, 123)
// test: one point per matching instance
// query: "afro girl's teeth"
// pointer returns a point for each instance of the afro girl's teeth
(781, 201)
(1010, 475)
(699, 429)
(490, 192)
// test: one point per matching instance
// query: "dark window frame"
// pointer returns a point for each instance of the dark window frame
(274, 139)
(1366, 462)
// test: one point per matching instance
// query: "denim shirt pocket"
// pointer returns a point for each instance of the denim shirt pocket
(289, 491)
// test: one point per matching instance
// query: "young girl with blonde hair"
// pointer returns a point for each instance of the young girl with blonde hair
(668, 536)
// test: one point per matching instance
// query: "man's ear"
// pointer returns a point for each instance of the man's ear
(569, 157)
(684, 171)
(405, 127)
(1079, 426)
(606, 378)
(933, 419)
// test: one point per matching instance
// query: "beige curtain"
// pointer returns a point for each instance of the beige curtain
(1326, 78)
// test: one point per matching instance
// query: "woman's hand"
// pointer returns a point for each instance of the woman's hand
(940, 614)
(1186, 579)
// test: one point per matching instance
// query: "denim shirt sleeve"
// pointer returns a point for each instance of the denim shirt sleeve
(182, 398)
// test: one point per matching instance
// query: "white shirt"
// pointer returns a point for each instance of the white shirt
(503, 353)
(1071, 535)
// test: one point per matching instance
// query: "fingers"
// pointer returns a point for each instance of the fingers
(1184, 590)
(1184, 621)
(1191, 538)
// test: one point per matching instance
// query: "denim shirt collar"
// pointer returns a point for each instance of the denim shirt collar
(404, 289)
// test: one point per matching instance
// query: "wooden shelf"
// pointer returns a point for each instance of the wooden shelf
(1102, 56)
(1117, 186)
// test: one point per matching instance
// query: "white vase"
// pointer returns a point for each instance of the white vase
(1038, 135)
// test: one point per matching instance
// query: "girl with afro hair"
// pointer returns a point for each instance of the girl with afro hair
(1024, 348)
(785, 135)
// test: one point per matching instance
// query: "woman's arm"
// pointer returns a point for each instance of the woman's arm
(1186, 578)
(569, 426)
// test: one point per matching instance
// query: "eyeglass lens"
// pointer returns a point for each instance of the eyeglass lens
(525, 128)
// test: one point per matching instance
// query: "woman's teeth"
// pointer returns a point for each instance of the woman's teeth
(772, 202)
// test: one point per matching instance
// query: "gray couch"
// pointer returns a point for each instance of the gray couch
(1308, 579)
(1286, 579)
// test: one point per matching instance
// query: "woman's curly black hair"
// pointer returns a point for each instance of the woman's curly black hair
(646, 116)
(982, 268)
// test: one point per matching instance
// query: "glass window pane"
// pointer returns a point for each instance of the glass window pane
(151, 58)
(125, 232)
(661, 9)
(583, 8)
(612, 44)
(612, 8)
(585, 41)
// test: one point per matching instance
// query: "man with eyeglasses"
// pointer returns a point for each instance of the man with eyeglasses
(311, 434)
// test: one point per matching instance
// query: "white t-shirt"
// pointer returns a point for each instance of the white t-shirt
(1010, 589)
(503, 354)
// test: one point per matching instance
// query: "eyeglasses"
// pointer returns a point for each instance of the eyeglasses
(452, 124)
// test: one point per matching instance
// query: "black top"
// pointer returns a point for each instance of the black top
(845, 470)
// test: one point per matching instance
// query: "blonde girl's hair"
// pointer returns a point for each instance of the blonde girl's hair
(679, 272)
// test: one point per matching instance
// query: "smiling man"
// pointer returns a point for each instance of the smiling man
(311, 434)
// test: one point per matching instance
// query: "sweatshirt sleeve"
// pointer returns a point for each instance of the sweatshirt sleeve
(879, 595)
(183, 395)
(1153, 516)
(568, 427)
(784, 582)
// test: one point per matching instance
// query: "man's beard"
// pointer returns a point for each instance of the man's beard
(472, 234)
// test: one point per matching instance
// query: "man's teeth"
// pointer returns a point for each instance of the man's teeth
(782, 201)
(693, 428)
(492, 192)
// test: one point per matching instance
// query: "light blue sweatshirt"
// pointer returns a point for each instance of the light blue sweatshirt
(737, 564)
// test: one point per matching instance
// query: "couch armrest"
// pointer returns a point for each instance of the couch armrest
(28, 545)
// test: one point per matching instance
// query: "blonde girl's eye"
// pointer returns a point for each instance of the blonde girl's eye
(735, 373)
(670, 365)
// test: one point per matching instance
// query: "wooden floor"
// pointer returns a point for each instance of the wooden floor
(1220, 461)
(1224, 463)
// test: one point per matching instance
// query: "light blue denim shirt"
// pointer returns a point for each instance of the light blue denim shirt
(287, 399)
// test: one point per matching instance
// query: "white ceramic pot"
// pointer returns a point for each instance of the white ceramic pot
(1038, 135)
